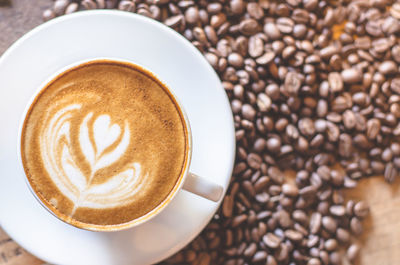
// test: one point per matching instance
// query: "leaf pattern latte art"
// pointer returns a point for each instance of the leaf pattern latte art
(102, 144)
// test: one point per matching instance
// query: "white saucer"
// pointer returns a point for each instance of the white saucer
(113, 34)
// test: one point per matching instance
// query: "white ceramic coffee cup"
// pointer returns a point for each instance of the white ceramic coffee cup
(187, 181)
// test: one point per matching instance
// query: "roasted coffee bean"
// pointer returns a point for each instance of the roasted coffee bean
(285, 25)
(235, 59)
(89, 4)
(332, 131)
(237, 6)
(264, 102)
(337, 210)
(292, 132)
(327, 52)
(272, 31)
(192, 15)
(271, 240)
(248, 27)
(271, 260)
(388, 68)
(306, 127)
(266, 58)
(390, 172)
(255, 10)
(331, 244)
(352, 252)
(329, 224)
(373, 128)
(292, 83)
(290, 190)
(262, 197)
(387, 155)
(71, 8)
(283, 218)
(127, 6)
(256, 46)
(100, 4)
(312, 241)
(315, 222)
(395, 85)
(274, 144)
(250, 250)
(238, 220)
(361, 209)
(342, 235)
(335, 82)
(173, 21)
(356, 226)
(48, 14)
(351, 76)
(308, 192)
(60, 6)
(345, 145)
(361, 98)
(276, 175)
(259, 256)
(293, 235)
(288, 52)
(227, 206)
(395, 147)
(300, 216)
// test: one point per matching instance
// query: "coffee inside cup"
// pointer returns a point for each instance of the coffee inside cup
(104, 143)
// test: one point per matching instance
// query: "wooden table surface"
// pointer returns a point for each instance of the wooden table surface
(380, 241)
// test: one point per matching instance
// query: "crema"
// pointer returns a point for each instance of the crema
(103, 143)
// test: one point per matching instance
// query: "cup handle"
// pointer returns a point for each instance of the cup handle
(202, 187)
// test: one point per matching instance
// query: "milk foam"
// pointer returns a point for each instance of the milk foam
(102, 144)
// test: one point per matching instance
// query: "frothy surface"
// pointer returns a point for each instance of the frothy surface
(103, 144)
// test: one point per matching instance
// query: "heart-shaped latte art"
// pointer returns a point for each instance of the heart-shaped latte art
(104, 134)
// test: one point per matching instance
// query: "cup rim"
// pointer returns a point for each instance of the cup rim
(161, 206)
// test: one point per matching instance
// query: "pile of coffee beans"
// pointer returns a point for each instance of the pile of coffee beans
(313, 87)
